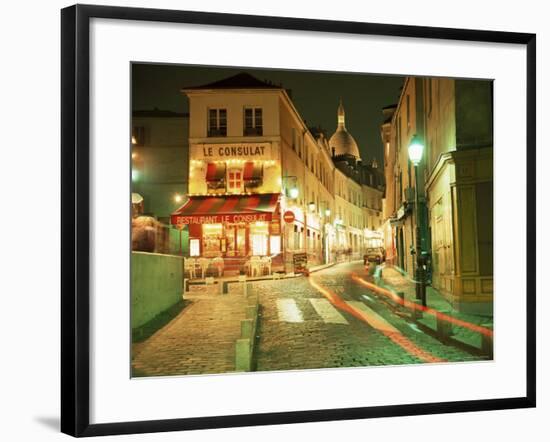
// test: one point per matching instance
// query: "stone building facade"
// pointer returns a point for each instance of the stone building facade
(453, 119)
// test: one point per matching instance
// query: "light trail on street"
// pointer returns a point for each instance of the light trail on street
(413, 306)
(369, 317)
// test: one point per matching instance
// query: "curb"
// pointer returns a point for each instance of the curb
(442, 330)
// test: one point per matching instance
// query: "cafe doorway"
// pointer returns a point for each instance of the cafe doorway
(235, 235)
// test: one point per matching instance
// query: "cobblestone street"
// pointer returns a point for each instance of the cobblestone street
(300, 328)
(326, 320)
(200, 340)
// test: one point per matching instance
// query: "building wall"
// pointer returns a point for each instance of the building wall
(160, 159)
(460, 188)
(160, 163)
(407, 121)
(234, 102)
(440, 119)
(204, 149)
(157, 284)
(306, 166)
(463, 243)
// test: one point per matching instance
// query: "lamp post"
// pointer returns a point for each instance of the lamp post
(416, 149)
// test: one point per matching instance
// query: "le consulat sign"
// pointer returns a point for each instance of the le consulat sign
(240, 151)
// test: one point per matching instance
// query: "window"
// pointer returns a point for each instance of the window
(217, 122)
(253, 122)
(259, 234)
(215, 177)
(399, 133)
(408, 112)
(194, 247)
(212, 239)
(234, 180)
(275, 244)
(138, 135)
(252, 174)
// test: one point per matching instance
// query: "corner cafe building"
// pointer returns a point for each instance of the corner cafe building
(244, 138)
(234, 205)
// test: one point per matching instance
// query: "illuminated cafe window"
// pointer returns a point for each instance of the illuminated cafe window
(234, 180)
(259, 234)
(217, 122)
(211, 239)
(253, 174)
(259, 244)
(194, 247)
(253, 121)
(275, 244)
(215, 176)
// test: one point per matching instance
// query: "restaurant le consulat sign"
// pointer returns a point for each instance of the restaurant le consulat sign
(231, 151)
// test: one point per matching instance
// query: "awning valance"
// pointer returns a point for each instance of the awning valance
(226, 209)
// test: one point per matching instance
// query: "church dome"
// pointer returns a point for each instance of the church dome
(342, 141)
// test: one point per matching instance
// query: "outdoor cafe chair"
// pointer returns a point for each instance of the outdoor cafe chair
(218, 264)
(189, 266)
(255, 266)
(204, 263)
(266, 264)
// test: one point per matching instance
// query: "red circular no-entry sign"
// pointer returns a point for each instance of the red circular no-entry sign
(288, 216)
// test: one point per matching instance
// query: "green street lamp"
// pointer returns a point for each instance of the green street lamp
(416, 149)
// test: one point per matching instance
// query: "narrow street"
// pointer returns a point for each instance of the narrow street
(330, 320)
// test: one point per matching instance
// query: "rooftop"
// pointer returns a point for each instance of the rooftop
(159, 113)
(241, 80)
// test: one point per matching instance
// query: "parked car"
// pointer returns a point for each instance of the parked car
(374, 254)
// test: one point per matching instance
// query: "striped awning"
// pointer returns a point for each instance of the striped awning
(226, 209)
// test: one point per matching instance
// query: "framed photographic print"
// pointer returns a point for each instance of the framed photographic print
(276, 220)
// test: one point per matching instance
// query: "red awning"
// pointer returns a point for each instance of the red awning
(248, 170)
(226, 209)
(215, 171)
(252, 171)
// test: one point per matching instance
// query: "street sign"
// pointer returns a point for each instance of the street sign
(288, 216)
(300, 262)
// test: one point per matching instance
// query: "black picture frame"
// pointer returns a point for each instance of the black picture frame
(75, 212)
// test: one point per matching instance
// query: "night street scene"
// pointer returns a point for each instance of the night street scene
(289, 220)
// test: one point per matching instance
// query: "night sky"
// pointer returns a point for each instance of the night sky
(315, 95)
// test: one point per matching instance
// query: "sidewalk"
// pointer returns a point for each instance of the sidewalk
(393, 279)
(201, 339)
(274, 275)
